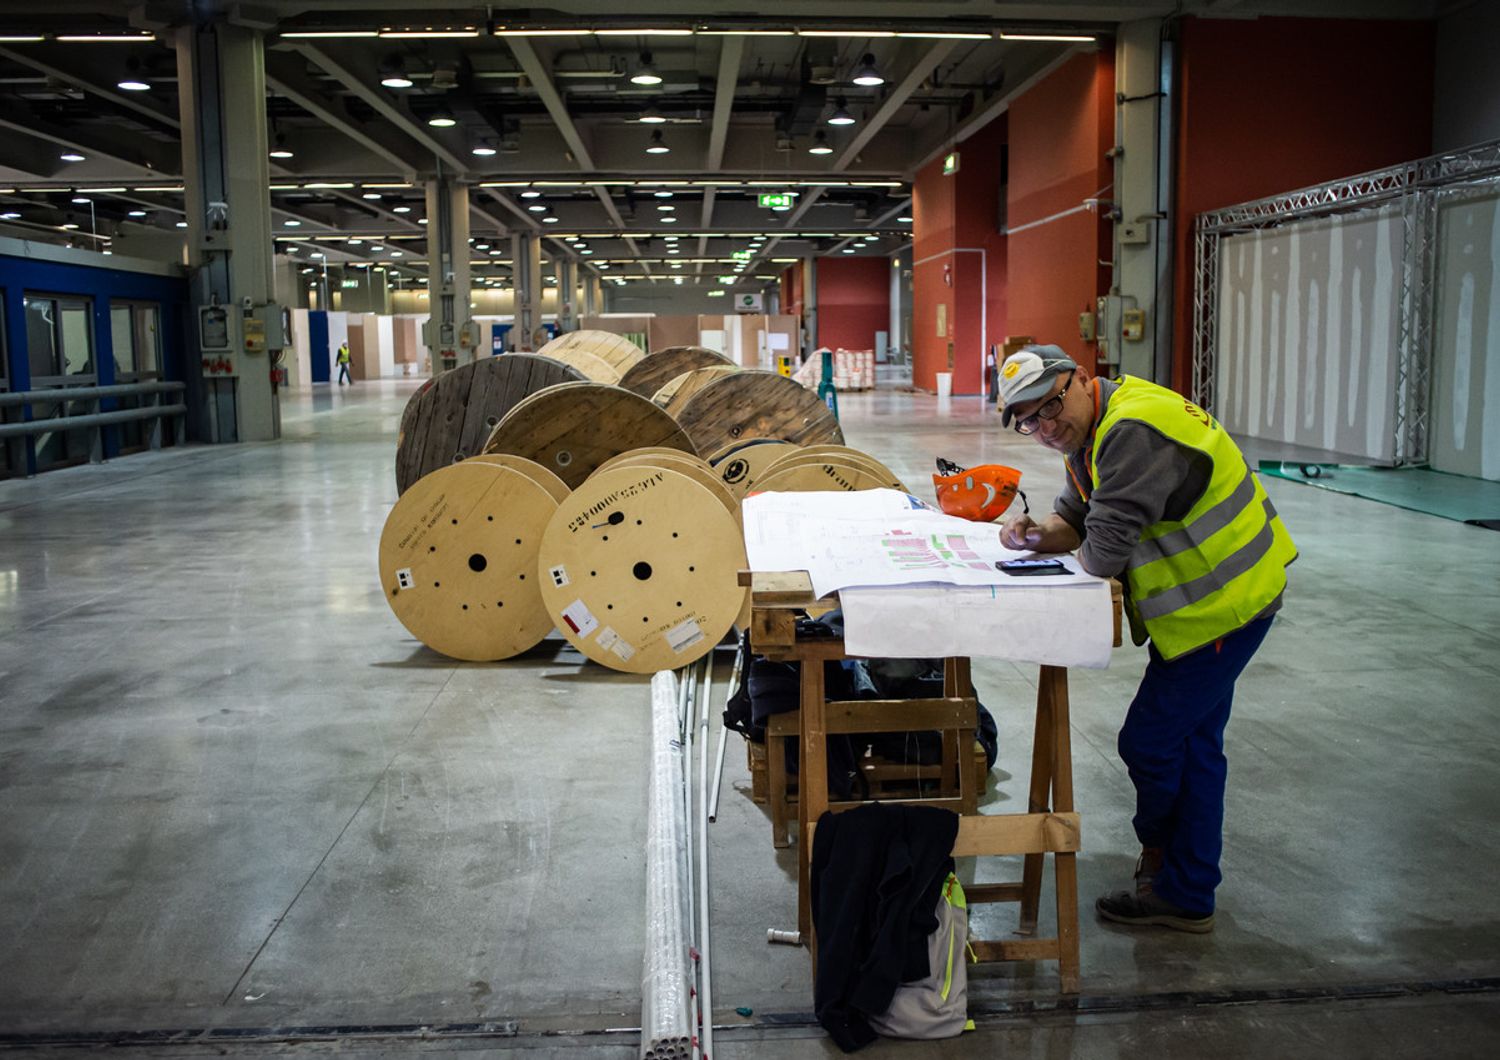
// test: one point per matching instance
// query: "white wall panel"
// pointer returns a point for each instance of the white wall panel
(1465, 424)
(1308, 326)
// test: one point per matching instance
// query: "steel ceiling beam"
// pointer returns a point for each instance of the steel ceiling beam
(541, 80)
(283, 78)
(83, 80)
(359, 79)
(148, 156)
(895, 101)
(729, 75)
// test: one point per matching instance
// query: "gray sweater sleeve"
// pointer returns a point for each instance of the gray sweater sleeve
(1144, 477)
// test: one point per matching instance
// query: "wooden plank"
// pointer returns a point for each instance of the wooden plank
(986, 951)
(1016, 833)
(770, 630)
(899, 715)
(754, 404)
(983, 893)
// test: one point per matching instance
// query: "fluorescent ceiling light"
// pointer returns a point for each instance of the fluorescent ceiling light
(99, 191)
(747, 32)
(369, 185)
(844, 33)
(313, 33)
(9, 215)
(21, 38)
(329, 184)
(655, 31)
(428, 34)
(106, 38)
(947, 36)
(502, 32)
(1061, 38)
(70, 226)
(131, 84)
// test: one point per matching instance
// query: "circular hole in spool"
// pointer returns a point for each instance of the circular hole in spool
(492, 420)
(477, 562)
(518, 540)
(431, 548)
(499, 603)
(641, 570)
(523, 577)
(563, 458)
(679, 603)
(692, 568)
(457, 457)
(465, 607)
(674, 533)
(436, 585)
(455, 522)
(489, 518)
(637, 522)
(616, 518)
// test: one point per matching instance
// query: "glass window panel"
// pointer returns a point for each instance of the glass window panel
(148, 339)
(77, 343)
(41, 337)
(122, 333)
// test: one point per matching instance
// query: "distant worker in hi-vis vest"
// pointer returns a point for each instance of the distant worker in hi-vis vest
(343, 358)
(1159, 496)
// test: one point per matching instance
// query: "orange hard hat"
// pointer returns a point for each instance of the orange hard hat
(979, 493)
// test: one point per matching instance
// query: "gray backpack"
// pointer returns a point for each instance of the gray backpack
(937, 1006)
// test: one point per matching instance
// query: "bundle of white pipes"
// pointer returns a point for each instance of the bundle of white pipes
(667, 973)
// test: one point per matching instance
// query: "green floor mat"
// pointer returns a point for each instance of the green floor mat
(1420, 489)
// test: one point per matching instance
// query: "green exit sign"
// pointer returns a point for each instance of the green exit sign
(780, 200)
(740, 255)
(728, 280)
(950, 163)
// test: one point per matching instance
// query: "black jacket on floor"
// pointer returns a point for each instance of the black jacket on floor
(877, 871)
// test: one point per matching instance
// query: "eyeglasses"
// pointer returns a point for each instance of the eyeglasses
(1048, 411)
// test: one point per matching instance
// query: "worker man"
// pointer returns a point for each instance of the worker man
(1158, 495)
(343, 358)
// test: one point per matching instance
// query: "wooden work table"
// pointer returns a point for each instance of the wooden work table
(1050, 825)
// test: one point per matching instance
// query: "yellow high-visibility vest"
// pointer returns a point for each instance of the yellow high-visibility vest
(1191, 581)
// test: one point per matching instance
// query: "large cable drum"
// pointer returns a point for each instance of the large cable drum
(589, 350)
(573, 428)
(639, 568)
(754, 404)
(451, 417)
(458, 559)
(655, 370)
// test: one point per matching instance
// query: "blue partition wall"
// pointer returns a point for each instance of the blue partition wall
(18, 275)
(317, 346)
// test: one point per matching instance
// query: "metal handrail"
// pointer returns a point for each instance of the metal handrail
(87, 393)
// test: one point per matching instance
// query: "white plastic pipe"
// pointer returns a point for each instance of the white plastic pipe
(705, 987)
(729, 693)
(666, 974)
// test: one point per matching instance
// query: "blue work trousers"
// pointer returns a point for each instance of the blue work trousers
(1172, 743)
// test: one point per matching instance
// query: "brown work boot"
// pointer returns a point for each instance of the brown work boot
(1147, 866)
(1152, 910)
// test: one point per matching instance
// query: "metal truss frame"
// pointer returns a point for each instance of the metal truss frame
(1413, 187)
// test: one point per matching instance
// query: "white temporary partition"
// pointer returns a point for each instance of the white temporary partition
(296, 360)
(1466, 350)
(1309, 331)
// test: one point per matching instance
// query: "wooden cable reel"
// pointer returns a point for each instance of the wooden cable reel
(675, 393)
(739, 466)
(837, 455)
(589, 350)
(639, 569)
(822, 475)
(694, 467)
(531, 469)
(450, 418)
(458, 560)
(656, 370)
(755, 404)
(573, 428)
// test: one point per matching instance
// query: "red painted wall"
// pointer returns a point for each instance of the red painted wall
(1274, 104)
(854, 301)
(1059, 133)
(959, 263)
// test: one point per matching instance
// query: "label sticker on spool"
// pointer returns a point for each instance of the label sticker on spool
(612, 641)
(559, 575)
(580, 619)
(404, 578)
(684, 635)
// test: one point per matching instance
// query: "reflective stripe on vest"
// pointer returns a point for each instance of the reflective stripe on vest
(1194, 580)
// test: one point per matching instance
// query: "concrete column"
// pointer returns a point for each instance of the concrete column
(450, 333)
(526, 272)
(222, 104)
(567, 293)
(1142, 273)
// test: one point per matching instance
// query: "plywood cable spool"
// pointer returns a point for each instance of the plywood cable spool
(601, 355)
(639, 569)
(573, 428)
(824, 474)
(837, 455)
(675, 393)
(458, 560)
(656, 370)
(740, 465)
(694, 467)
(754, 404)
(450, 418)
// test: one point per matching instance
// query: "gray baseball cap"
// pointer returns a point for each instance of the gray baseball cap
(1027, 375)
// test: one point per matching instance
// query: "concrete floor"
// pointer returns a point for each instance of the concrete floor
(235, 794)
